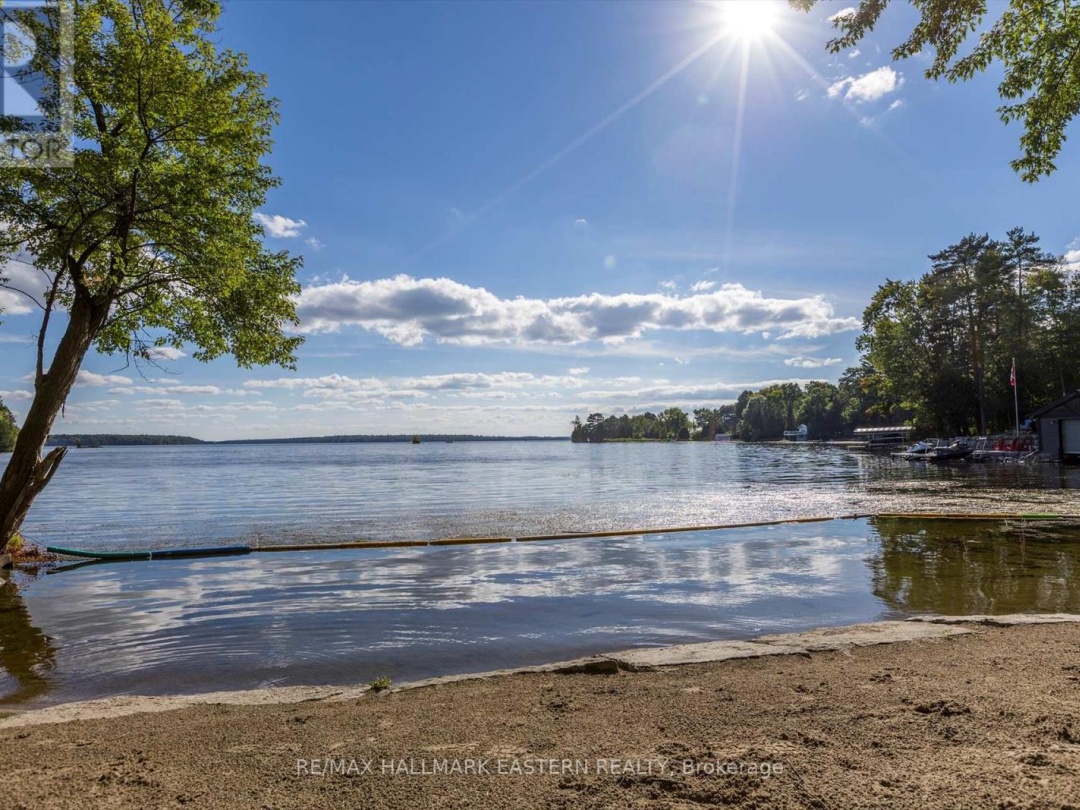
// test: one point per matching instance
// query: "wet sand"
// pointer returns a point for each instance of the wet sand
(986, 719)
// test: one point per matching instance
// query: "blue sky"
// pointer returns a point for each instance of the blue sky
(511, 213)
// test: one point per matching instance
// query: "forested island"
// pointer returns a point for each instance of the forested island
(936, 353)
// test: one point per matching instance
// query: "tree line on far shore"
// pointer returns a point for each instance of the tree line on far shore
(116, 440)
(672, 424)
(829, 411)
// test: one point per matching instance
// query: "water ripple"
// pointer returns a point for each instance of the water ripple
(268, 494)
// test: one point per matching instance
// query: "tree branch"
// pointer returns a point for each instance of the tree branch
(39, 374)
(37, 303)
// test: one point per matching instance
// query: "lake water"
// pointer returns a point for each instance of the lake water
(150, 497)
(349, 616)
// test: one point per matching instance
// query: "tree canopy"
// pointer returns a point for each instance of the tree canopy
(149, 239)
(9, 430)
(941, 348)
(155, 218)
(670, 425)
(1036, 43)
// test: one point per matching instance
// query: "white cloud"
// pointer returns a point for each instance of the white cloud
(702, 286)
(90, 378)
(172, 387)
(14, 395)
(844, 12)
(505, 403)
(407, 311)
(194, 389)
(802, 95)
(1072, 255)
(279, 226)
(164, 353)
(661, 392)
(341, 387)
(341, 394)
(315, 244)
(811, 362)
(868, 87)
(96, 406)
(25, 277)
(490, 395)
(896, 105)
(581, 222)
(576, 372)
(854, 53)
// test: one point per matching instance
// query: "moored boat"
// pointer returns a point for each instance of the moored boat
(917, 451)
(953, 451)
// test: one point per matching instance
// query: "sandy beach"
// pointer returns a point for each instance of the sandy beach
(989, 718)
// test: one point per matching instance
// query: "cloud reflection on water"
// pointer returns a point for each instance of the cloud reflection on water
(348, 616)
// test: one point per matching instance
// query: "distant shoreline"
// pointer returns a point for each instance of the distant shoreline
(393, 439)
(91, 440)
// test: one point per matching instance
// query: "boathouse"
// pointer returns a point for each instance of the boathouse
(883, 438)
(1059, 427)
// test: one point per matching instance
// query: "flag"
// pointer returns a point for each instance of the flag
(1012, 375)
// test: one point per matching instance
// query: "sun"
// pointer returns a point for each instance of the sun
(748, 19)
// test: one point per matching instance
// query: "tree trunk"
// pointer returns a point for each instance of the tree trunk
(979, 390)
(27, 472)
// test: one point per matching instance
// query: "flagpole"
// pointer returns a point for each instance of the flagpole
(1016, 398)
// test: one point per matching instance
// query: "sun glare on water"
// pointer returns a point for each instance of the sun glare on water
(747, 19)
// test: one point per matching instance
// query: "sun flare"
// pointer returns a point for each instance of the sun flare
(748, 19)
